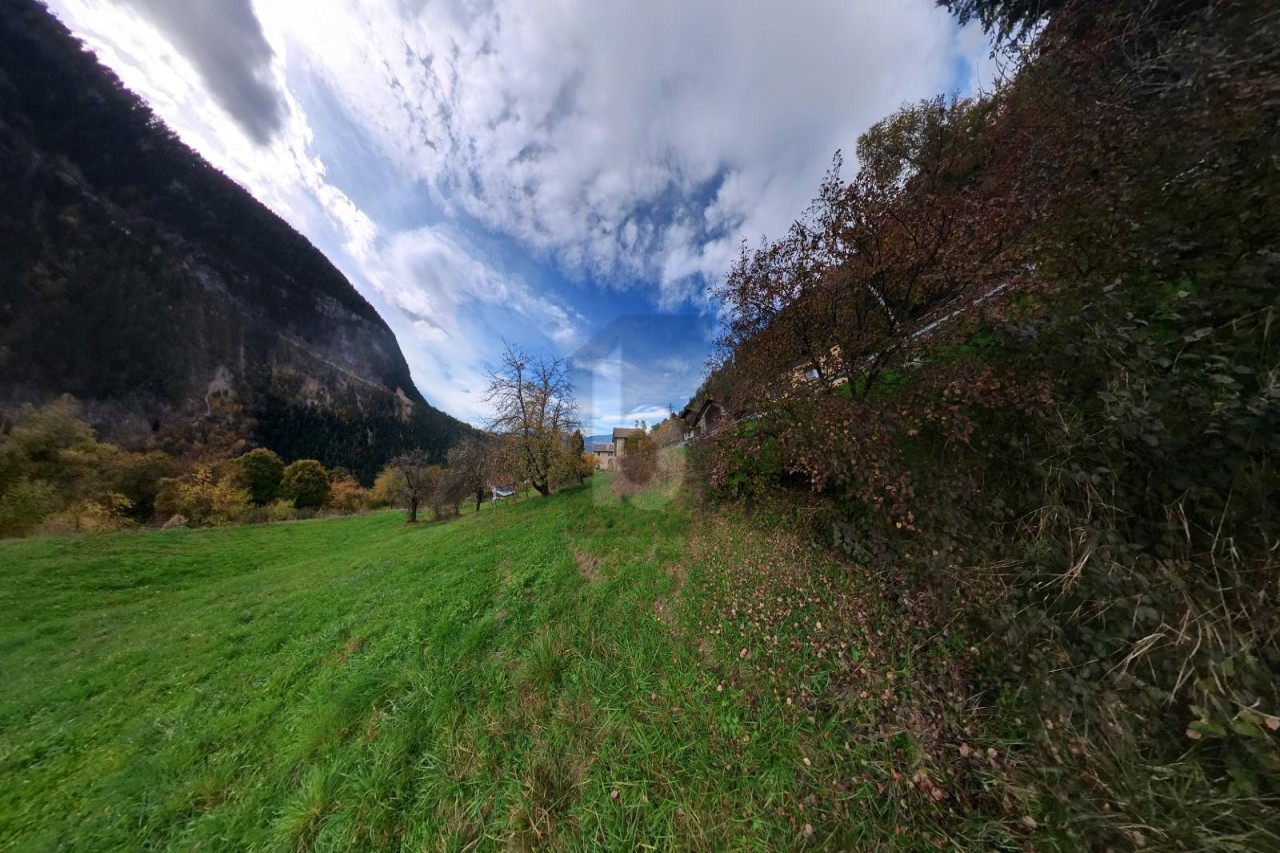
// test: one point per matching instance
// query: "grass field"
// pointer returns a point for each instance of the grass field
(569, 672)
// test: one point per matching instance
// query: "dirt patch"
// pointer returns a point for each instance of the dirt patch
(588, 565)
(372, 726)
(351, 647)
(665, 606)
(678, 573)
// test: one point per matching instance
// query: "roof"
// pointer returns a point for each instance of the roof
(698, 410)
(624, 432)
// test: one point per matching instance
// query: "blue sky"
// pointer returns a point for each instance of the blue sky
(567, 175)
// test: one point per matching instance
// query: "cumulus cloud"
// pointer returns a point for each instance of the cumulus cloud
(629, 142)
(225, 43)
(436, 278)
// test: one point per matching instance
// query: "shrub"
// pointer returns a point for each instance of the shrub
(204, 498)
(110, 512)
(25, 505)
(306, 483)
(387, 488)
(50, 460)
(281, 510)
(345, 495)
(668, 433)
(640, 459)
(261, 471)
(138, 476)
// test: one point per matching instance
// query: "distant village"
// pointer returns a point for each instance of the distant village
(701, 418)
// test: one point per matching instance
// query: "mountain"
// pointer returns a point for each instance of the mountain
(177, 308)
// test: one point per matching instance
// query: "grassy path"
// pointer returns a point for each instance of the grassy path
(570, 672)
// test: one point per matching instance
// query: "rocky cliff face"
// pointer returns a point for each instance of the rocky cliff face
(148, 285)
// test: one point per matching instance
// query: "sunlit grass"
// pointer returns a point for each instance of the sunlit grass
(360, 684)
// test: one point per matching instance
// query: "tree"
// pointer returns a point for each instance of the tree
(446, 492)
(572, 464)
(583, 464)
(469, 460)
(261, 472)
(306, 483)
(534, 404)
(847, 291)
(51, 443)
(1005, 18)
(411, 479)
(386, 488)
(503, 466)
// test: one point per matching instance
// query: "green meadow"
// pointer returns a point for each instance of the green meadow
(581, 671)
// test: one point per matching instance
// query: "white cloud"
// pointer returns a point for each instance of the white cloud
(592, 132)
(651, 415)
(436, 276)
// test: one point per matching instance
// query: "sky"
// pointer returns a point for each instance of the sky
(565, 175)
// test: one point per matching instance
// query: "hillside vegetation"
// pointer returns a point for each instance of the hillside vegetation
(1026, 357)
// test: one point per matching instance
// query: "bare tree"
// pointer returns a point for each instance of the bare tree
(414, 481)
(447, 492)
(533, 403)
(469, 460)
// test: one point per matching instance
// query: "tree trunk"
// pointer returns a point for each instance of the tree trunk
(413, 512)
(479, 498)
(544, 489)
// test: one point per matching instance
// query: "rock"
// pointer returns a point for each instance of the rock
(178, 520)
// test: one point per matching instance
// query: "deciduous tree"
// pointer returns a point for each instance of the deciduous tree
(410, 478)
(306, 483)
(261, 472)
(470, 460)
(534, 405)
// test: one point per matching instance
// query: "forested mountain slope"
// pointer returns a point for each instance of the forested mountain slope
(180, 310)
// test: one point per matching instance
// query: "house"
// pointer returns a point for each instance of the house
(702, 418)
(605, 455)
(837, 371)
(620, 436)
(806, 370)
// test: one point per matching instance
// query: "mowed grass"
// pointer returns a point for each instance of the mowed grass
(543, 674)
